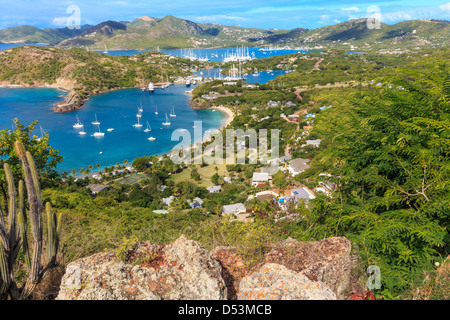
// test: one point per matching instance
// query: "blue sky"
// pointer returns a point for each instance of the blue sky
(280, 14)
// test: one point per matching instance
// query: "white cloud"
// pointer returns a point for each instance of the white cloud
(219, 17)
(396, 16)
(60, 22)
(351, 9)
(445, 7)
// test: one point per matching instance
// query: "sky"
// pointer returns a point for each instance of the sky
(273, 14)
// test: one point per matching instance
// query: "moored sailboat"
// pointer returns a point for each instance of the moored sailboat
(167, 123)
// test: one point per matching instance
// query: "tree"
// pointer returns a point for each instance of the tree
(45, 157)
(390, 151)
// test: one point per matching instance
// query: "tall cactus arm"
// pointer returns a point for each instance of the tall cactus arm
(35, 207)
(12, 221)
(22, 222)
(34, 194)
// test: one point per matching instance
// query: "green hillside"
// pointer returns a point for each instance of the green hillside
(30, 34)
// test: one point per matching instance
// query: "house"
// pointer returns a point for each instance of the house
(314, 143)
(227, 179)
(168, 201)
(214, 189)
(296, 197)
(297, 166)
(250, 86)
(196, 203)
(290, 104)
(273, 103)
(260, 178)
(96, 188)
(234, 209)
(161, 211)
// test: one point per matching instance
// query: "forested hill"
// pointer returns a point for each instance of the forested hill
(172, 32)
(84, 73)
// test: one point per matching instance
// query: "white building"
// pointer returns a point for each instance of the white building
(260, 178)
(297, 166)
(234, 208)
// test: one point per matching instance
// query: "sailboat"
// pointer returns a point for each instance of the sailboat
(172, 112)
(106, 50)
(139, 114)
(96, 123)
(156, 110)
(138, 124)
(42, 134)
(99, 133)
(148, 128)
(78, 125)
(167, 123)
(141, 109)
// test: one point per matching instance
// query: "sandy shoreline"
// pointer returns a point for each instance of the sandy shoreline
(229, 116)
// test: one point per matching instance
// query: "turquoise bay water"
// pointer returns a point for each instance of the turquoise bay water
(116, 109)
(216, 55)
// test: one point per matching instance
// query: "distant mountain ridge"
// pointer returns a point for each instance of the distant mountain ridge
(172, 32)
(30, 34)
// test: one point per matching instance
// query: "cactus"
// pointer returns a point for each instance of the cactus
(13, 231)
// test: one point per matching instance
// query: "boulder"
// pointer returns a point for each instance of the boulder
(182, 270)
(328, 261)
(276, 282)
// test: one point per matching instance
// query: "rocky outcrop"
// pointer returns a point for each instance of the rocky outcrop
(327, 261)
(276, 282)
(178, 271)
(185, 270)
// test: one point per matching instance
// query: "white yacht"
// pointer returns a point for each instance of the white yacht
(156, 110)
(172, 112)
(188, 82)
(96, 123)
(151, 138)
(99, 133)
(167, 123)
(151, 87)
(138, 124)
(148, 129)
(78, 125)
(110, 129)
(42, 134)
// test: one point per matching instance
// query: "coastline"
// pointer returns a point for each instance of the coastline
(229, 115)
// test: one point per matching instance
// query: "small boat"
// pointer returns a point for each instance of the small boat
(172, 112)
(151, 139)
(188, 83)
(167, 123)
(82, 133)
(101, 152)
(141, 109)
(156, 110)
(42, 134)
(78, 125)
(148, 129)
(151, 87)
(99, 133)
(110, 129)
(138, 124)
(96, 123)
